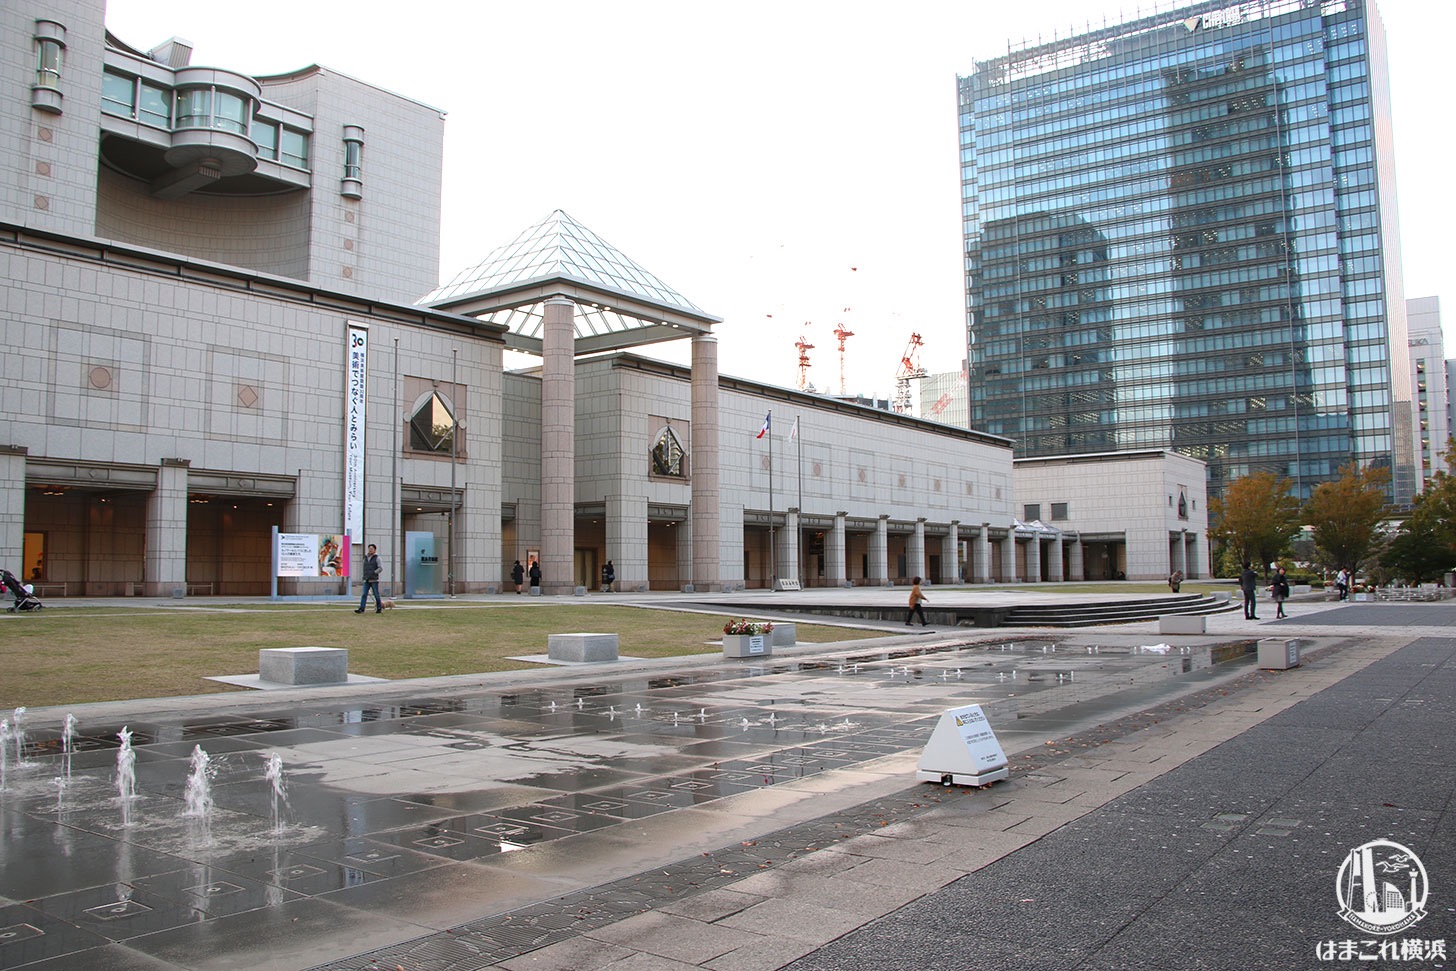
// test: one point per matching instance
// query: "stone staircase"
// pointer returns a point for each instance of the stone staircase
(1065, 614)
(1114, 611)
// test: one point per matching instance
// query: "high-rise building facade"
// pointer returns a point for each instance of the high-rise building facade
(1181, 233)
(1429, 387)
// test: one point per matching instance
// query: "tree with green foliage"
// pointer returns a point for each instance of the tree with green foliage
(1425, 548)
(1416, 554)
(1435, 511)
(1345, 515)
(1257, 516)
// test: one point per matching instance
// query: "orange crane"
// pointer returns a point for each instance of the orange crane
(842, 332)
(804, 348)
(909, 370)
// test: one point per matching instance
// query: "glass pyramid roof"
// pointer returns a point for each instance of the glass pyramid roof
(559, 247)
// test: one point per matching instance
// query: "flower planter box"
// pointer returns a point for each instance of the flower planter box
(746, 645)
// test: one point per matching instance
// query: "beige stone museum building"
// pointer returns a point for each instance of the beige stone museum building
(224, 320)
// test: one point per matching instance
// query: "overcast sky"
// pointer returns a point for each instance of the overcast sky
(786, 166)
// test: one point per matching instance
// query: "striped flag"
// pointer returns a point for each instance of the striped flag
(767, 421)
(794, 432)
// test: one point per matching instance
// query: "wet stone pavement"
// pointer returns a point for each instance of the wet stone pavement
(397, 842)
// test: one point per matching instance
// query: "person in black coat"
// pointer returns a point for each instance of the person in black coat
(371, 581)
(518, 575)
(1249, 584)
(535, 573)
(1279, 590)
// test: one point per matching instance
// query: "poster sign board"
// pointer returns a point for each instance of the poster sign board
(963, 750)
(312, 555)
(355, 399)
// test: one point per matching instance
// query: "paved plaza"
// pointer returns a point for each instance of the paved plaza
(1163, 811)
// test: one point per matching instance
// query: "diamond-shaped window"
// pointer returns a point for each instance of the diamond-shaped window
(667, 455)
(432, 427)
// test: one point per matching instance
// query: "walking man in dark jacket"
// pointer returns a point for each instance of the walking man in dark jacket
(1249, 583)
(371, 581)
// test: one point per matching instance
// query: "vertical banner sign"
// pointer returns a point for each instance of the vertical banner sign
(358, 347)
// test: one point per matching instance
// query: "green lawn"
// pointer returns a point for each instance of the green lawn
(71, 655)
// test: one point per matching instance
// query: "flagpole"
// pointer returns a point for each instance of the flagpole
(799, 540)
(773, 560)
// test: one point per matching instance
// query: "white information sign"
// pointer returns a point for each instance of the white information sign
(298, 554)
(963, 749)
(313, 555)
(354, 407)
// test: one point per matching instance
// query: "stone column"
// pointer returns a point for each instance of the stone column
(626, 542)
(981, 558)
(1008, 556)
(1054, 559)
(707, 530)
(558, 446)
(1033, 559)
(915, 555)
(789, 541)
(1179, 562)
(1194, 569)
(1076, 567)
(950, 552)
(880, 553)
(834, 551)
(165, 566)
(12, 508)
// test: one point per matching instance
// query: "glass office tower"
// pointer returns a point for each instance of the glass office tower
(1181, 233)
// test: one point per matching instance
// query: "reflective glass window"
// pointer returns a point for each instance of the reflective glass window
(293, 148)
(194, 108)
(154, 106)
(118, 95)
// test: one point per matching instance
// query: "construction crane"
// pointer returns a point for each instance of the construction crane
(909, 370)
(842, 332)
(804, 348)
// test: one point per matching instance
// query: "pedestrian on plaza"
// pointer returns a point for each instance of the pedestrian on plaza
(518, 575)
(609, 577)
(917, 597)
(1342, 583)
(1279, 590)
(535, 573)
(1249, 584)
(1175, 580)
(371, 581)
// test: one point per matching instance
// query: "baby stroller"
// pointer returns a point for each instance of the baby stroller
(24, 598)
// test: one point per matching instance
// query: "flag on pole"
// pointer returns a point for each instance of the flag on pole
(794, 431)
(767, 420)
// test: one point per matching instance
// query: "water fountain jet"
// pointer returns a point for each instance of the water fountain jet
(199, 784)
(274, 774)
(125, 774)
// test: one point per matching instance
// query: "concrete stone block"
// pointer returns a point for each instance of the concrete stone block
(582, 647)
(1183, 624)
(304, 665)
(785, 635)
(746, 645)
(1278, 653)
